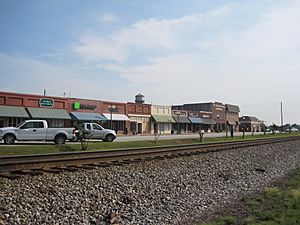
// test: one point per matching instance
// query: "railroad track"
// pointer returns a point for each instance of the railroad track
(13, 167)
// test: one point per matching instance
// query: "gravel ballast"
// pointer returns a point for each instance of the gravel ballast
(170, 191)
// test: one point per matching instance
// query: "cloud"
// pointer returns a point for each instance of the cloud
(109, 18)
(142, 36)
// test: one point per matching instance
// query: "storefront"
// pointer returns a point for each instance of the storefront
(116, 122)
(54, 117)
(162, 124)
(198, 124)
(139, 124)
(162, 119)
(10, 116)
(182, 121)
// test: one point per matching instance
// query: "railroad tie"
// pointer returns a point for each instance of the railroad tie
(51, 170)
(29, 172)
(9, 175)
(84, 167)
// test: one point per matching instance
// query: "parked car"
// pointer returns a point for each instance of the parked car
(98, 132)
(36, 130)
(293, 129)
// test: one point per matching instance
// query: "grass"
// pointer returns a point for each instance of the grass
(277, 205)
(24, 149)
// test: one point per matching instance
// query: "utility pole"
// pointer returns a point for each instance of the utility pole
(281, 115)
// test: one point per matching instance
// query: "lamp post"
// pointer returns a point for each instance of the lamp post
(178, 114)
(218, 116)
(111, 109)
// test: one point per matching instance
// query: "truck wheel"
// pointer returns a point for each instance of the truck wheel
(60, 139)
(9, 139)
(109, 138)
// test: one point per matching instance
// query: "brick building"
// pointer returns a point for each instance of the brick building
(182, 121)
(217, 110)
(14, 108)
(232, 116)
(139, 114)
(250, 124)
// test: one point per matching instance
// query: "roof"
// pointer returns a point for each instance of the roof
(42, 113)
(84, 116)
(181, 119)
(116, 117)
(232, 108)
(249, 118)
(163, 118)
(13, 111)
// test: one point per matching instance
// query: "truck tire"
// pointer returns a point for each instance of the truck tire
(59, 139)
(9, 139)
(109, 138)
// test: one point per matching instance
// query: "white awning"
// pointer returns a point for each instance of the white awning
(116, 117)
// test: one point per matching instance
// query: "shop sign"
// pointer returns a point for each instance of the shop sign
(46, 102)
(78, 105)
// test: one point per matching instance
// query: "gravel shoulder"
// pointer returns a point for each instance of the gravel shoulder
(182, 190)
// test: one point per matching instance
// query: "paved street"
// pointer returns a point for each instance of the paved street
(142, 138)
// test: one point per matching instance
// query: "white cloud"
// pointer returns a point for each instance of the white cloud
(253, 66)
(109, 17)
(144, 35)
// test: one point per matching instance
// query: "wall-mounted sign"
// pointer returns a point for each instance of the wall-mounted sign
(78, 105)
(46, 102)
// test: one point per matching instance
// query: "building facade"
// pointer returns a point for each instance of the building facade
(232, 116)
(15, 108)
(140, 117)
(182, 121)
(162, 119)
(115, 113)
(250, 124)
(217, 110)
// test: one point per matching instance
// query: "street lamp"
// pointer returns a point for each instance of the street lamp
(178, 114)
(218, 116)
(111, 109)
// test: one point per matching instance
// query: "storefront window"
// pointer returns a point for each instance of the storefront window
(13, 121)
(56, 123)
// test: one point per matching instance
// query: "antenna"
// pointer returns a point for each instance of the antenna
(44, 92)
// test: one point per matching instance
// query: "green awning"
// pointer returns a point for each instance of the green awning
(42, 113)
(13, 111)
(163, 118)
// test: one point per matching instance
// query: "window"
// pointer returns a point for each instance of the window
(27, 125)
(96, 127)
(56, 123)
(13, 121)
(38, 125)
(88, 126)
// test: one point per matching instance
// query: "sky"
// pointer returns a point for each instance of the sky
(172, 51)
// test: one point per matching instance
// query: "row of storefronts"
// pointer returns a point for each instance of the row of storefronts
(126, 118)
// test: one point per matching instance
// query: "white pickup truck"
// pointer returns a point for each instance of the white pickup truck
(98, 132)
(36, 130)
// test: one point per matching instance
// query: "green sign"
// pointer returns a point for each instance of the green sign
(76, 105)
(46, 102)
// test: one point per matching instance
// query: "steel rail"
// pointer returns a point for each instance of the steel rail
(56, 160)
